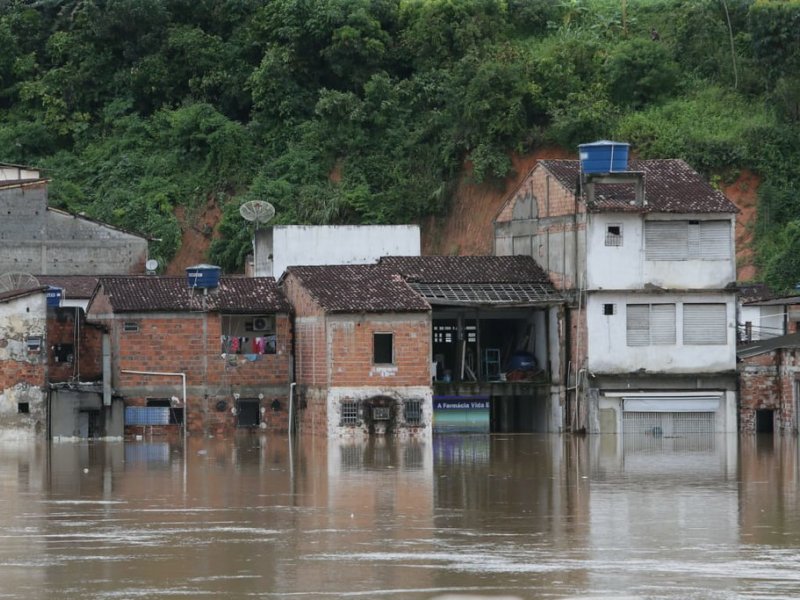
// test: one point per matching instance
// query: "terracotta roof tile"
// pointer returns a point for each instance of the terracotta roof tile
(671, 186)
(173, 294)
(466, 269)
(358, 288)
(74, 286)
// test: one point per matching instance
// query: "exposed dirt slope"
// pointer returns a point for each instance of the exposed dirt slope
(467, 228)
(198, 228)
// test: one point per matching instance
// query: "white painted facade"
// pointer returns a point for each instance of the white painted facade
(610, 350)
(283, 246)
(761, 322)
(626, 266)
(336, 395)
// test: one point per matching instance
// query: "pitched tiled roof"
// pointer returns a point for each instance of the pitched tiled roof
(358, 288)
(466, 269)
(670, 185)
(173, 294)
(20, 293)
(74, 286)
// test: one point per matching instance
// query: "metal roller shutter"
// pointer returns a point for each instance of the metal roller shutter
(665, 240)
(704, 324)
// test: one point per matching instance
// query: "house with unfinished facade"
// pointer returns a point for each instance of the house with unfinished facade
(472, 343)
(645, 250)
(202, 353)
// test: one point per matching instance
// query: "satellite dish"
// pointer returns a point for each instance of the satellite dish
(257, 211)
(151, 264)
(17, 280)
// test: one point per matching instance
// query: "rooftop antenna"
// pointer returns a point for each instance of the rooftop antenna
(17, 280)
(258, 212)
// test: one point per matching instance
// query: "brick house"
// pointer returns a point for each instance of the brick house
(226, 347)
(769, 385)
(363, 348)
(23, 362)
(645, 250)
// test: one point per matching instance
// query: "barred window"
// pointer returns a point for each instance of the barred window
(349, 413)
(413, 412)
(614, 235)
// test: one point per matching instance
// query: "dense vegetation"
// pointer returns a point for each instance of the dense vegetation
(365, 111)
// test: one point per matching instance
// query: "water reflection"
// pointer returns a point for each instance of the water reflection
(524, 515)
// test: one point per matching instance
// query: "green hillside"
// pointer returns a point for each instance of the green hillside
(365, 111)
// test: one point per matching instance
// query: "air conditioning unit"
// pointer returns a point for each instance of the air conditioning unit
(261, 324)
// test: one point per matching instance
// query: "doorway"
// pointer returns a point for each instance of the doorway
(765, 420)
(248, 413)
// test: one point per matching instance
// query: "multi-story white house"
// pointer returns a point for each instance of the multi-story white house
(646, 248)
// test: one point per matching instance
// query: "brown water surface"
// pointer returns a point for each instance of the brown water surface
(514, 515)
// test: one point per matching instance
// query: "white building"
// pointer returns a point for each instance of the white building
(648, 254)
(282, 246)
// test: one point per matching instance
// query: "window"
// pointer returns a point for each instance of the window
(704, 324)
(63, 353)
(412, 411)
(175, 413)
(130, 326)
(687, 240)
(248, 334)
(382, 351)
(650, 324)
(23, 408)
(609, 309)
(614, 235)
(349, 413)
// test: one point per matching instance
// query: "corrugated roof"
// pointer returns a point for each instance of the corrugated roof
(358, 288)
(488, 294)
(784, 341)
(173, 294)
(408, 284)
(671, 186)
(466, 269)
(785, 301)
(75, 286)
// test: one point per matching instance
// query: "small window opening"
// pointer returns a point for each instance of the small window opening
(130, 326)
(382, 351)
(23, 408)
(349, 413)
(614, 235)
(63, 353)
(175, 413)
(413, 412)
(609, 309)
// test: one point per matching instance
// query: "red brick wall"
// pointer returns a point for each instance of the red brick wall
(310, 341)
(767, 381)
(89, 355)
(351, 350)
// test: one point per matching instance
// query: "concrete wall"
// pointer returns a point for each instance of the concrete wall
(35, 239)
(331, 245)
(608, 351)
(625, 266)
(23, 372)
(544, 220)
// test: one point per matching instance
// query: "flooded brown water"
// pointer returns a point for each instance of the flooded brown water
(523, 516)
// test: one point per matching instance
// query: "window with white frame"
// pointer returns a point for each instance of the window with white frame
(650, 324)
(705, 324)
(614, 235)
(687, 240)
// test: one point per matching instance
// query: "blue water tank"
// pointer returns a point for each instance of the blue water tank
(203, 276)
(54, 295)
(604, 157)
